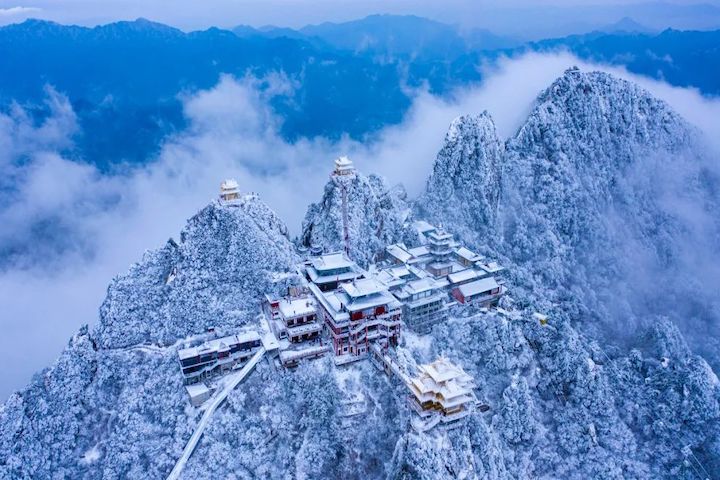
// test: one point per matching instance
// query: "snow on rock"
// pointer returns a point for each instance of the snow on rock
(376, 215)
(464, 187)
(433, 456)
(129, 403)
(42, 425)
(601, 208)
(92, 455)
(228, 256)
(603, 188)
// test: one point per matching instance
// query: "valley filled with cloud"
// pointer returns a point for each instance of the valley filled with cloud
(69, 228)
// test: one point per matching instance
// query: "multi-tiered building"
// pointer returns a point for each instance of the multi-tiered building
(293, 317)
(441, 246)
(441, 394)
(357, 314)
(294, 321)
(343, 175)
(328, 271)
(466, 276)
(424, 303)
(217, 356)
(344, 167)
(229, 190)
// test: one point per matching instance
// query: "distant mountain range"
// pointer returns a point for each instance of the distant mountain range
(686, 59)
(124, 79)
(627, 25)
(391, 35)
(539, 21)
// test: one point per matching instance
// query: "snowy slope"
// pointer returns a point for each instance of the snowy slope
(116, 389)
(603, 205)
(602, 194)
(376, 214)
(464, 187)
(220, 270)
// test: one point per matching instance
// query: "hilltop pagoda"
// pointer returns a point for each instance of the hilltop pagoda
(343, 167)
(229, 190)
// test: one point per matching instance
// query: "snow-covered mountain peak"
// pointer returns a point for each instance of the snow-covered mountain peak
(463, 187)
(224, 261)
(375, 216)
(481, 124)
(582, 133)
(586, 136)
(603, 111)
(600, 189)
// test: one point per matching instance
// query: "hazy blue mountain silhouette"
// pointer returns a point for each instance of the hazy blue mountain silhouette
(124, 78)
(681, 58)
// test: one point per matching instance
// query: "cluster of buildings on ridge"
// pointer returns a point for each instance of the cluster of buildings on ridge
(413, 287)
(352, 313)
(422, 277)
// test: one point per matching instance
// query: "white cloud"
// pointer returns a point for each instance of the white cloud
(73, 228)
(19, 11)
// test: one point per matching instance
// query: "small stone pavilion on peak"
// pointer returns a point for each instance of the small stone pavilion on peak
(229, 190)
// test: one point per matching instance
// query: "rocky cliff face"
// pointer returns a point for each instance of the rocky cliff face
(602, 189)
(464, 187)
(376, 215)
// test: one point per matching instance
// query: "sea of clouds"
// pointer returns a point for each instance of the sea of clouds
(67, 229)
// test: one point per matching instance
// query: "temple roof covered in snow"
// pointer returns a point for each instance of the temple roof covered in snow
(444, 382)
(344, 166)
(218, 344)
(331, 261)
(295, 307)
(479, 286)
(362, 288)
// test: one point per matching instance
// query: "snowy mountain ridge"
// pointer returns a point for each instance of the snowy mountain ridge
(590, 198)
(563, 404)
(463, 188)
(212, 278)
